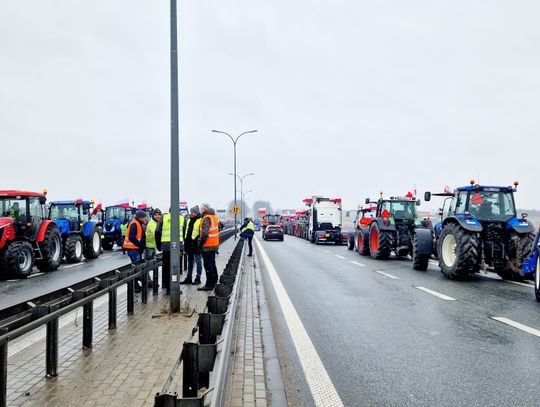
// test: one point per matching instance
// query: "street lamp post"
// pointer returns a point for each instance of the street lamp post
(175, 176)
(234, 140)
(241, 178)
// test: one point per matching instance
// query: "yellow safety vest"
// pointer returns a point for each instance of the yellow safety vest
(166, 231)
(123, 228)
(195, 232)
(151, 234)
(249, 226)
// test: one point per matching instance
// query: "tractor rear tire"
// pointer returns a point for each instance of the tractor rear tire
(362, 247)
(51, 250)
(420, 261)
(520, 248)
(92, 249)
(380, 243)
(108, 245)
(18, 259)
(73, 249)
(459, 252)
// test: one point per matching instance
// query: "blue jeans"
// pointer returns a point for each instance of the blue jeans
(194, 258)
(134, 255)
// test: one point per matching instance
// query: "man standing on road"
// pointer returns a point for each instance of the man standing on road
(191, 245)
(135, 240)
(151, 227)
(247, 231)
(163, 243)
(209, 242)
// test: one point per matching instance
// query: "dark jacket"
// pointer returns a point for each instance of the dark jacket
(141, 244)
(190, 245)
(205, 225)
(247, 233)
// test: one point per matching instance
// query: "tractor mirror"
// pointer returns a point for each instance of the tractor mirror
(427, 196)
(367, 201)
(42, 200)
(524, 215)
(418, 202)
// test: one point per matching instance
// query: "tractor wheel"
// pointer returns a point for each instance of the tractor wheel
(519, 248)
(18, 259)
(51, 250)
(92, 249)
(107, 244)
(350, 243)
(459, 252)
(362, 246)
(420, 261)
(380, 243)
(537, 280)
(73, 249)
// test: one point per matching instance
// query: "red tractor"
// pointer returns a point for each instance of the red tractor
(26, 235)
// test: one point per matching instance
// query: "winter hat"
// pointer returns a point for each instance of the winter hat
(196, 210)
(140, 215)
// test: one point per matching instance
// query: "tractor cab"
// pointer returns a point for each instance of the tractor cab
(116, 218)
(70, 215)
(24, 211)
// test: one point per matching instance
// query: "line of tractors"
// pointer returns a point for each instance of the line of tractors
(34, 233)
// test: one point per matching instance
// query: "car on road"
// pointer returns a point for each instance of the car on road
(273, 232)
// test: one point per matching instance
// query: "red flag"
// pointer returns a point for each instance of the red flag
(447, 190)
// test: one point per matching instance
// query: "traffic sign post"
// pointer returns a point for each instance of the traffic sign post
(235, 210)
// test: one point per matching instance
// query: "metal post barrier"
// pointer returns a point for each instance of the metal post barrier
(88, 324)
(155, 278)
(190, 378)
(51, 358)
(144, 289)
(112, 308)
(130, 295)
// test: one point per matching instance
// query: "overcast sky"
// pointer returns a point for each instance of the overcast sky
(348, 96)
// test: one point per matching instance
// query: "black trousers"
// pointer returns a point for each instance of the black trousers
(166, 269)
(209, 260)
(250, 244)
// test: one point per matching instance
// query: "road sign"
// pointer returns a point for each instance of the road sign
(235, 210)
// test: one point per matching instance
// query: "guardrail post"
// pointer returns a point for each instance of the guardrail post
(3, 370)
(155, 279)
(130, 295)
(112, 308)
(190, 379)
(88, 321)
(51, 358)
(144, 289)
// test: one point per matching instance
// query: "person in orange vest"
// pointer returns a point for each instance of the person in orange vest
(209, 243)
(135, 240)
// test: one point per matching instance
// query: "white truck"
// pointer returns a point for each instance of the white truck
(325, 221)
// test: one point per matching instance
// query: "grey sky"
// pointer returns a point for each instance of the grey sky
(349, 97)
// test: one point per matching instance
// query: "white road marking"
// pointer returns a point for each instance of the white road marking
(35, 275)
(327, 251)
(382, 273)
(337, 255)
(321, 386)
(518, 283)
(40, 334)
(73, 265)
(518, 325)
(435, 293)
(357, 263)
(495, 276)
(435, 263)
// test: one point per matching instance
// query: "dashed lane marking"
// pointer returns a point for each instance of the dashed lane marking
(518, 325)
(382, 273)
(322, 389)
(337, 255)
(357, 263)
(435, 293)
(74, 265)
(35, 275)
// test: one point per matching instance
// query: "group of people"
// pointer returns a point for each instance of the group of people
(198, 240)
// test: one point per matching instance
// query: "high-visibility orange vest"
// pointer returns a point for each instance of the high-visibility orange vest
(213, 233)
(127, 243)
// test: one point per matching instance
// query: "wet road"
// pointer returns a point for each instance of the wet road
(388, 335)
(16, 291)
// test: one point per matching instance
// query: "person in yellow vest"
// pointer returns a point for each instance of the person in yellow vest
(191, 245)
(151, 226)
(209, 244)
(247, 230)
(123, 230)
(163, 243)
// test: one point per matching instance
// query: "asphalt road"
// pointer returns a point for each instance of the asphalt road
(16, 291)
(385, 342)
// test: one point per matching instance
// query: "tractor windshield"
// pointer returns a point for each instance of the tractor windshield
(68, 212)
(115, 212)
(11, 207)
(492, 206)
(403, 209)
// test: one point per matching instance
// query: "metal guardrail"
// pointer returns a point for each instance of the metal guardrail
(25, 317)
(199, 359)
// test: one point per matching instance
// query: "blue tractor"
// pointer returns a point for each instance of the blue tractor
(479, 227)
(116, 218)
(80, 235)
(531, 265)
